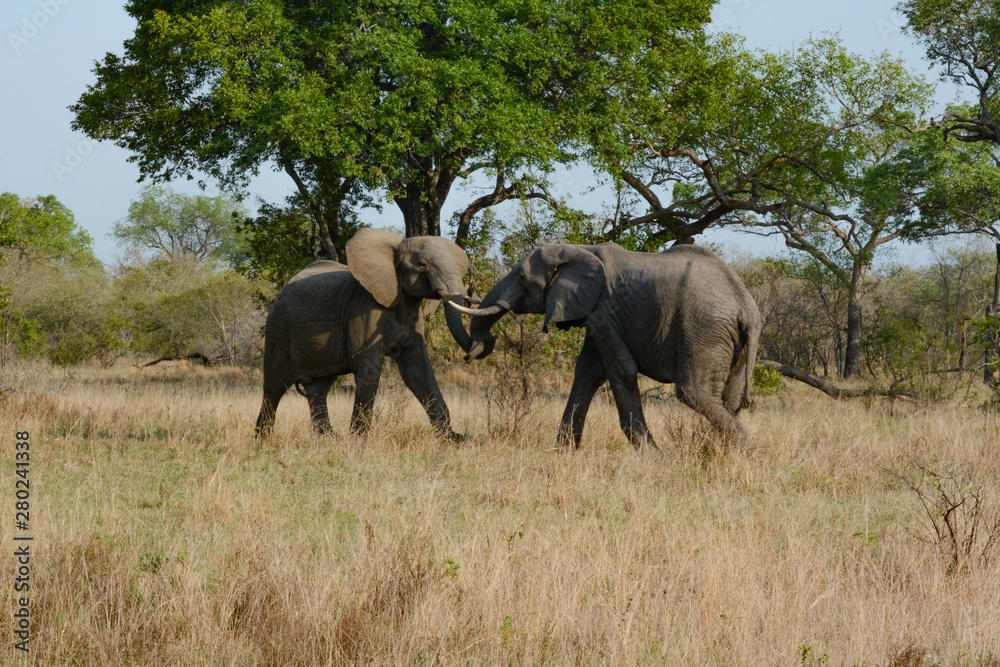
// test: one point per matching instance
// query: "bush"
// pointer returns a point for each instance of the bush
(767, 381)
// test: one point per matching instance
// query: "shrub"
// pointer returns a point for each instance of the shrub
(767, 381)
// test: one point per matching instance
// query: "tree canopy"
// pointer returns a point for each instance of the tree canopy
(776, 130)
(963, 37)
(406, 97)
(42, 228)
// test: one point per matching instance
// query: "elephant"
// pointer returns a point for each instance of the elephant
(681, 316)
(331, 319)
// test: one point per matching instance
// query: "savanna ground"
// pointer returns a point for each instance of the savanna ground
(165, 534)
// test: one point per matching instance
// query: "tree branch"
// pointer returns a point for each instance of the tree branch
(829, 389)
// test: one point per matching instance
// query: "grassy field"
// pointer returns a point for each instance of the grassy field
(165, 534)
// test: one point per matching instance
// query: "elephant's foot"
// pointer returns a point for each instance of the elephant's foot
(566, 441)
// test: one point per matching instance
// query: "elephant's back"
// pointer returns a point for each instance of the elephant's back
(672, 304)
(319, 281)
(319, 267)
(319, 295)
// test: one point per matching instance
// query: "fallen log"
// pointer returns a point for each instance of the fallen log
(829, 389)
(197, 356)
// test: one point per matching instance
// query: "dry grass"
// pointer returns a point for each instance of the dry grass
(165, 534)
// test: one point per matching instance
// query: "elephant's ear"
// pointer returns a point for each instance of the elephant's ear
(576, 282)
(371, 256)
(461, 258)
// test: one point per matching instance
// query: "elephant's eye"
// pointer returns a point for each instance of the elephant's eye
(422, 265)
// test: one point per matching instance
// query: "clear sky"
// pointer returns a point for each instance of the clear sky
(48, 50)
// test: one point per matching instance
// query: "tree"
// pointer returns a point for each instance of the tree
(769, 127)
(960, 194)
(56, 285)
(409, 97)
(181, 227)
(790, 142)
(846, 201)
(963, 37)
(43, 229)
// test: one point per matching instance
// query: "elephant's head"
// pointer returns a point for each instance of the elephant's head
(563, 281)
(424, 267)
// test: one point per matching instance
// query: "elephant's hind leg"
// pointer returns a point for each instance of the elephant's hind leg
(316, 393)
(714, 409)
(268, 408)
(735, 390)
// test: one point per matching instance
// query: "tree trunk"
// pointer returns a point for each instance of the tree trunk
(326, 239)
(853, 356)
(422, 190)
(420, 217)
(991, 374)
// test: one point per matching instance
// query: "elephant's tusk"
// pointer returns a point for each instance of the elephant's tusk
(470, 299)
(482, 312)
(474, 351)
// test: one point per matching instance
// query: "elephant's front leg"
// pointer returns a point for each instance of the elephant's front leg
(416, 371)
(587, 379)
(623, 376)
(367, 372)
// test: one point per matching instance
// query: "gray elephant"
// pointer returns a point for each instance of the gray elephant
(331, 319)
(680, 316)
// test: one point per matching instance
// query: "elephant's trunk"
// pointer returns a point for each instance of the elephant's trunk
(455, 326)
(503, 297)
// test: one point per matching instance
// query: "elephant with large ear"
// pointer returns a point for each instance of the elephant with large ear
(331, 319)
(680, 316)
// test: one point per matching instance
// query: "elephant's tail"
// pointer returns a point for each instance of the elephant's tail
(749, 338)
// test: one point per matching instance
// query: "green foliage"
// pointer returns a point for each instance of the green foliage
(280, 242)
(25, 335)
(56, 285)
(963, 37)
(773, 131)
(75, 315)
(403, 97)
(43, 229)
(176, 310)
(767, 381)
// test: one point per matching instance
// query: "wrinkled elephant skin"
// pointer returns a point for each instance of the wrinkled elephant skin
(331, 319)
(680, 316)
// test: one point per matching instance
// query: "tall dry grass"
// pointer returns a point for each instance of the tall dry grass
(165, 534)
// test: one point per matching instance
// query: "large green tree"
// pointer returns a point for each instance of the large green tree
(407, 96)
(959, 187)
(772, 129)
(43, 229)
(786, 143)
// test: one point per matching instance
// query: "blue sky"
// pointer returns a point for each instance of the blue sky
(48, 50)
